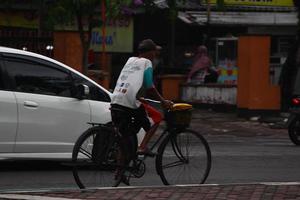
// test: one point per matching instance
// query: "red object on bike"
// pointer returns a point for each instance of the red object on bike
(154, 114)
(296, 101)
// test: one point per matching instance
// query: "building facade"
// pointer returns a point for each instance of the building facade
(231, 27)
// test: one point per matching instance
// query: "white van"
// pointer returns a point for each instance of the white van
(43, 106)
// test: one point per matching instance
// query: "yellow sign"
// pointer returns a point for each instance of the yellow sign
(119, 36)
(287, 3)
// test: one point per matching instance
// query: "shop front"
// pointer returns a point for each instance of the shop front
(248, 63)
(20, 30)
(223, 52)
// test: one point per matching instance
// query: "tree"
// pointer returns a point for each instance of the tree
(86, 14)
(173, 7)
(81, 13)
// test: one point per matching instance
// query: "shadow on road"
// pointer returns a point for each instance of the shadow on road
(33, 165)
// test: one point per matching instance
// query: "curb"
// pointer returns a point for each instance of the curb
(45, 194)
(144, 187)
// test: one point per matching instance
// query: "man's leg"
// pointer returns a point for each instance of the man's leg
(156, 117)
(147, 137)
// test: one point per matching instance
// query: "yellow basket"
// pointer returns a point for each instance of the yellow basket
(179, 116)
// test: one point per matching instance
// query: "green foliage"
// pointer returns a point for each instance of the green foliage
(113, 7)
(64, 12)
(173, 8)
(220, 5)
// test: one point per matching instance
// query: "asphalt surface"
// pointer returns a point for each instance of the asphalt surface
(212, 124)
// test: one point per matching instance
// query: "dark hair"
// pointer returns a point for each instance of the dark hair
(147, 45)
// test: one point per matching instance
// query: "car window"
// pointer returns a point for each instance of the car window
(34, 77)
(95, 92)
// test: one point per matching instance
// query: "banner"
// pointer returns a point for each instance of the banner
(119, 36)
(286, 3)
(19, 19)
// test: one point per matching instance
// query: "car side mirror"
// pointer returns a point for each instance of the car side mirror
(82, 91)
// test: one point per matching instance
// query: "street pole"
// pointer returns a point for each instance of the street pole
(173, 16)
(103, 17)
(208, 23)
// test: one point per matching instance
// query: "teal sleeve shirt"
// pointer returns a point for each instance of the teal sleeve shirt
(148, 78)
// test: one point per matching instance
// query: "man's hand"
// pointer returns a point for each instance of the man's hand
(142, 99)
(166, 104)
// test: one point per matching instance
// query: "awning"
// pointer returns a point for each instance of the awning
(240, 18)
(187, 4)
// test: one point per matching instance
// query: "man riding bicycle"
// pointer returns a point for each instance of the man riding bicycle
(135, 79)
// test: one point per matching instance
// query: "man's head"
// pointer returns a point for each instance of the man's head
(148, 49)
(202, 50)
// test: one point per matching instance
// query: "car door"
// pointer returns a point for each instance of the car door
(99, 100)
(50, 119)
(8, 114)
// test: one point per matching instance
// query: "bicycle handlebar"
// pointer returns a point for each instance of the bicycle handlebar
(151, 100)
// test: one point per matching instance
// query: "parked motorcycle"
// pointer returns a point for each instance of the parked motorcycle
(294, 121)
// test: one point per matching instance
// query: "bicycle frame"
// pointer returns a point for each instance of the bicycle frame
(161, 137)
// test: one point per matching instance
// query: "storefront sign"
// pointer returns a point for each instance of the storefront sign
(119, 37)
(288, 3)
(22, 20)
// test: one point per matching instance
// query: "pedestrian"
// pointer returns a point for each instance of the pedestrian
(158, 69)
(201, 70)
(288, 75)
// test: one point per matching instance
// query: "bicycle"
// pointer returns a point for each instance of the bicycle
(183, 155)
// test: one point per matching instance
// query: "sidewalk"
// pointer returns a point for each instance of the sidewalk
(211, 122)
(262, 191)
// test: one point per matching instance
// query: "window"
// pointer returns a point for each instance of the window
(95, 92)
(34, 77)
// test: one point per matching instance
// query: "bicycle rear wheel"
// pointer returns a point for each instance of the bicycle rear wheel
(183, 158)
(95, 158)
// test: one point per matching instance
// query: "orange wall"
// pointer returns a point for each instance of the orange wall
(67, 49)
(170, 85)
(255, 92)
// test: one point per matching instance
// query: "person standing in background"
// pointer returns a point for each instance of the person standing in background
(201, 71)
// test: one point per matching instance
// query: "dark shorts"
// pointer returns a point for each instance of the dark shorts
(128, 120)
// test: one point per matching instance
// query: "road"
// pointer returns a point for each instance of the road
(236, 159)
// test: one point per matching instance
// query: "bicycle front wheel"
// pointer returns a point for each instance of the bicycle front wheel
(183, 158)
(95, 158)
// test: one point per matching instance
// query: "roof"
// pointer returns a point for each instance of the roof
(202, 5)
(186, 5)
(239, 18)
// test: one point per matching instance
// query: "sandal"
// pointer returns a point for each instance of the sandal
(146, 152)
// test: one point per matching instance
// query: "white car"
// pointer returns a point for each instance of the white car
(43, 107)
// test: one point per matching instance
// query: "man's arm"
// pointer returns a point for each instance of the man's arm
(155, 94)
(152, 91)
